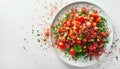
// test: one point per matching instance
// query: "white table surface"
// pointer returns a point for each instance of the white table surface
(19, 48)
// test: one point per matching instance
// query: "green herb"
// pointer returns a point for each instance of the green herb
(102, 27)
(80, 54)
(57, 19)
(77, 48)
(66, 16)
(68, 49)
(57, 36)
(80, 37)
(83, 14)
(106, 40)
(103, 19)
(58, 25)
(85, 56)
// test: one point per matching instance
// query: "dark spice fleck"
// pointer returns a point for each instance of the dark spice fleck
(24, 48)
(41, 45)
(32, 31)
(117, 58)
(37, 30)
(24, 39)
(38, 40)
(38, 34)
(44, 39)
(48, 18)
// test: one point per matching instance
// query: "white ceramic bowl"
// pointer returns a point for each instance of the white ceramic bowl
(81, 62)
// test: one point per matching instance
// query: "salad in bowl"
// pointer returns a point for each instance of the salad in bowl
(81, 33)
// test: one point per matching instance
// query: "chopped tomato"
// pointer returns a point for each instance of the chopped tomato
(95, 28)
(95, 45)
(74, 40)
(91, 48)
(62, 29)
(80, 18)
(69, 24)
(65, 21)
(72, 52)
(84, 10)
(94, 15)
(76, 28)
(94, 24)
(61, 45)
(70, 20)
(98, 20)
(78, 42)
(84, 40)
(88, 24)
(103, 34)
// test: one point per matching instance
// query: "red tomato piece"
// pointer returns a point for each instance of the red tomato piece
(69, 24)
(80, 18)
(78, 42)
(70, 20)
(62, 29)
(95, 28)
(98, 20)
(61, 45)
(72, 52)
(95, 15)
(91, 48)
(84, 40)
(103, 34)
(76, 28)
(84, 10)
(95, 45)
(94, 24)
(88, 24)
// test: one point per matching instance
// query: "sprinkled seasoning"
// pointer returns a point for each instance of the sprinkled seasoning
(32, 31)
(38, 34)
(41, 45)
(53, 8)
(44, 39)
(37, 31)
(47, 33)
(24, 39)
(24, 47)
(117, 58)
(38, 40)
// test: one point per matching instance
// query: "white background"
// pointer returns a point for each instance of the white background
(17, 14)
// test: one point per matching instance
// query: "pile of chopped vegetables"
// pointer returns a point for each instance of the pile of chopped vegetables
(81, 33)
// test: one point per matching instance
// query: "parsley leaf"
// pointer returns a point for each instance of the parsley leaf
(77, 48)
